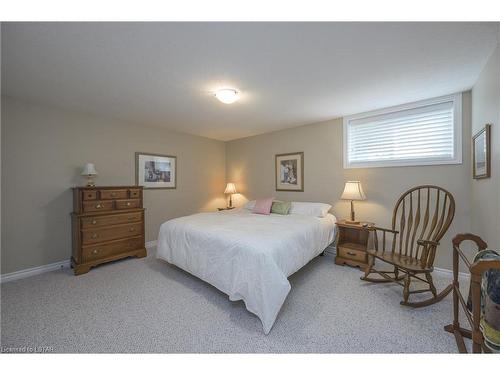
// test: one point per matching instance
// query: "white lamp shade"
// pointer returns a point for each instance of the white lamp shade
(353, 191)
(89, 170)
(230, 188)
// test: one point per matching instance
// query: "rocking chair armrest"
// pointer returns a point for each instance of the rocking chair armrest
(386, 230)
(391, 235)
(427, 243)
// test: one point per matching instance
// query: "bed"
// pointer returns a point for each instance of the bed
(245, 255)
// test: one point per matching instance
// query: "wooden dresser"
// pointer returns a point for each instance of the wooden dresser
(107, 224)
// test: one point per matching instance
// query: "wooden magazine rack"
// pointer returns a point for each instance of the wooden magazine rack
(476, 272)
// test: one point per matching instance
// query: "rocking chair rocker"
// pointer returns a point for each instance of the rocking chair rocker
(411, 247)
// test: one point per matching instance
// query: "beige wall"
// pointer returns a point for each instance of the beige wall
(250, 164)
(485, 192)
(43, 150)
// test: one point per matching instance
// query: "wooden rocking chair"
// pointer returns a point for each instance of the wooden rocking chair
(420, 219)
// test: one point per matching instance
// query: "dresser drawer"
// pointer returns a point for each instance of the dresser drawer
(125, 204)
(111, 233)
(97, 206)
(135, 193)
(89, 195)
(90, 253)
(114, 194)
(349, 253)
(96, 221)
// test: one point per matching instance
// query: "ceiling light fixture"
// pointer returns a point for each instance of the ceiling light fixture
(227, 96)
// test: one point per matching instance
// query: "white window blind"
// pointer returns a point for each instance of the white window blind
(422, 133)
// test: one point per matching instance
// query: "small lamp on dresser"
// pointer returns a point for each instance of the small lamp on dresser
(89, 171)
(353, 192)
(230, 189)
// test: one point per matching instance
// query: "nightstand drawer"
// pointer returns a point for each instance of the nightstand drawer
(348, 253)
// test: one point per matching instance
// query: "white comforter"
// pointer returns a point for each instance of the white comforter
(245, 255)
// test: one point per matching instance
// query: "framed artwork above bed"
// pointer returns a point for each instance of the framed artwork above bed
(289, 171)
(154, 171)
(481, 154)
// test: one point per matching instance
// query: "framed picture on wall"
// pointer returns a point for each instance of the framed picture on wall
(155, 171)
(290, 171)
(481, 154)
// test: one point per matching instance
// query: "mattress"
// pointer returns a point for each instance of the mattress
(247, 256)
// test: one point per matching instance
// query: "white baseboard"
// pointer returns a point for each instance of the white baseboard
(151, 244)
(449, 273)
(34, 271)
(22, 274)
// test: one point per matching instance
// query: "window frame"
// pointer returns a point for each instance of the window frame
(457, 134)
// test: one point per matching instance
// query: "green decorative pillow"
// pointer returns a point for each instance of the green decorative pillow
(281, 208)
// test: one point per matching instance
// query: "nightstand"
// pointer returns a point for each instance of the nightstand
(224, 208)
(352, 244)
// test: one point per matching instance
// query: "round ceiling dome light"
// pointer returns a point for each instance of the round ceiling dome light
(227, 96)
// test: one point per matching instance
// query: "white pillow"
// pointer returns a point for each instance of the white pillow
(310, 208)
(249, 205)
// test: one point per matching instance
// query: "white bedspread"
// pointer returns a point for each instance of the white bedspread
(247, 256)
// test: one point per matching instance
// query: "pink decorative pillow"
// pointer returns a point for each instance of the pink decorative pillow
(263, 206)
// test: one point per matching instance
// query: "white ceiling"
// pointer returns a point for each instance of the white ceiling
(289, 74)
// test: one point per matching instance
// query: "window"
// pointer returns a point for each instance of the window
(422, 133)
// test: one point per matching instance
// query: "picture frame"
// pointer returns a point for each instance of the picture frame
(481, 153)
(289, 171)
(155, 171)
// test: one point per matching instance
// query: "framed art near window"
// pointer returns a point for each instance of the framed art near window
(481, 157)
(155, 171)
(290, 171)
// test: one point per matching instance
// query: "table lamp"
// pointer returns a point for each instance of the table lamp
(353, 192)
(89, 171)
(230, 189)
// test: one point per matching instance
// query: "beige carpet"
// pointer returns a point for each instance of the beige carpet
(145, 305)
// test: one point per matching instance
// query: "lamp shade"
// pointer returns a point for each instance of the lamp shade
(230, 188)
(353, 191)
(89, 170)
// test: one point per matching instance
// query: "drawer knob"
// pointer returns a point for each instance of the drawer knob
(351, 253)
(95, 251)
(95, 235)
(98, 205)
(128, 203)
(94, 222)
(132, 229)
